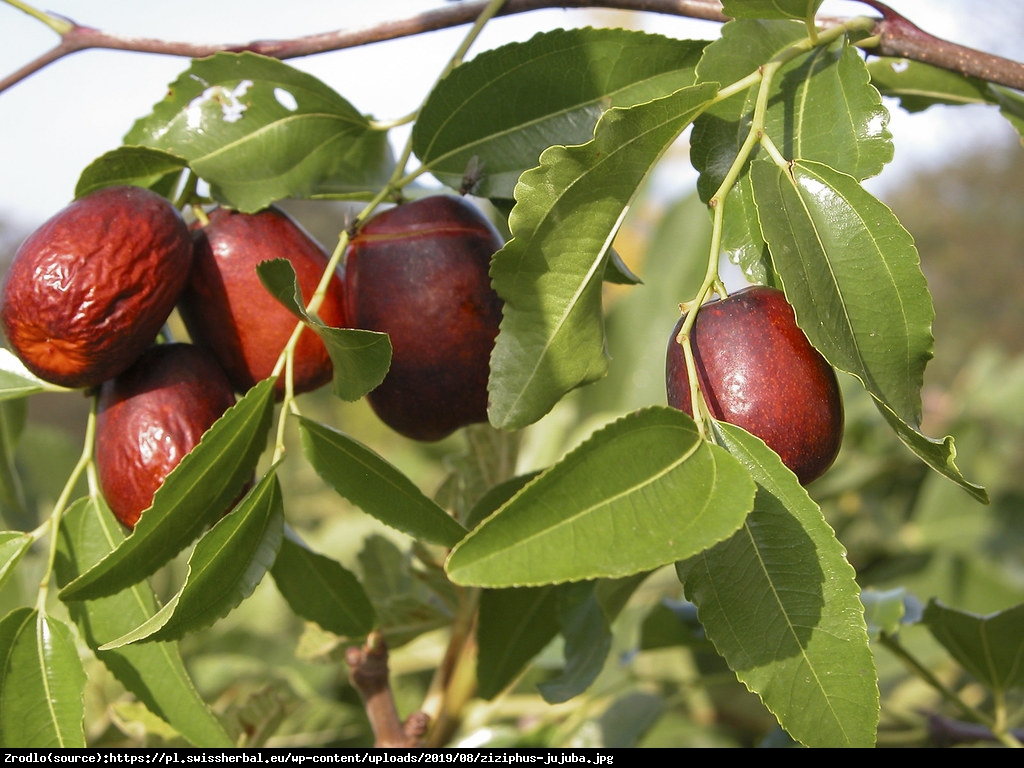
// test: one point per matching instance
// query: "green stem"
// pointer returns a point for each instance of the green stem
(755, 137)
(84, 462)
(998, 729)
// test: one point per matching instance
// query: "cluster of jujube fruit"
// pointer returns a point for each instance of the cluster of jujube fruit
(87, 294)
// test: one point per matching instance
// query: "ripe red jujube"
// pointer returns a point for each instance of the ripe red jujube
(149, 417)
(227, 309)
(757, 370)
(90, 289)
(419, 272)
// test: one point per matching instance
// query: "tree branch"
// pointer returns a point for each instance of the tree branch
(896, 36)
(901, 38)
(368, 671)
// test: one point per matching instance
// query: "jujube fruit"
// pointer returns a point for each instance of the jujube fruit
(757, 370)
(227, 309)
(90, 289)
(149, 417)
(419, 272)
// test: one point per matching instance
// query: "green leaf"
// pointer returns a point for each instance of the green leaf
(919, 86)
(771, 9)
(991, 648)
(259, 130)
(853, 276)
(1011, 105)
(154, 673)
(17, 381)
(827, 81)
(319, 589)
(588, 639)
(376, 486)
(404, 597)
(225, 567)
(13, 544)
(360, 358)
(830, 81)
(940, 455)
(41, 683)
(514, 625)
(500, 110)
(195, 494)
(640, 493)
(781, 604)
(550, 274)
(139, 166)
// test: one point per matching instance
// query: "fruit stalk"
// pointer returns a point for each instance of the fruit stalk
(83, 464)
(755, 137)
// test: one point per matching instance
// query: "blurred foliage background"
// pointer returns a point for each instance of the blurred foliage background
(284, 683)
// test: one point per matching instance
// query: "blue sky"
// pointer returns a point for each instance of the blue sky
(57, 121)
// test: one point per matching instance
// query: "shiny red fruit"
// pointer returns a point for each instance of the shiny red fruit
(149, 417)
(757, 370)
(227, 310)
(419, 272)
(90, 289)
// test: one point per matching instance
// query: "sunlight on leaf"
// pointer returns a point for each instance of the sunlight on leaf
(642, 492)
(550, 275)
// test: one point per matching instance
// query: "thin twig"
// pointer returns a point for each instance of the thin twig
(896, 37)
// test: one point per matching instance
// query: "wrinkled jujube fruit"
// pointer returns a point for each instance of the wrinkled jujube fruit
(90, 289)
(227, 309)
(757, 370)
(419, 272)
(149, 417)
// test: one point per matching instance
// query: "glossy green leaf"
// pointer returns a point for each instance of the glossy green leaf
(991, 648)
(771, 9)
(320, 590)
(154, 672)
(374, 485)
(640, 493)
(17, 381)
(550, 274)
(500, 110)
(138, 166)
(781, 604)
(194, 495)
(513, 626)
(259, 130)
(940, 455)
(822, 105)
(588, 639)
(853, 276)
(919, 86)
(41, 683)
(822, 108)
(227, 564)
(360, 358)
(13, 544)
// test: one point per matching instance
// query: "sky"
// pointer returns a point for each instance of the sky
(53, 124)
